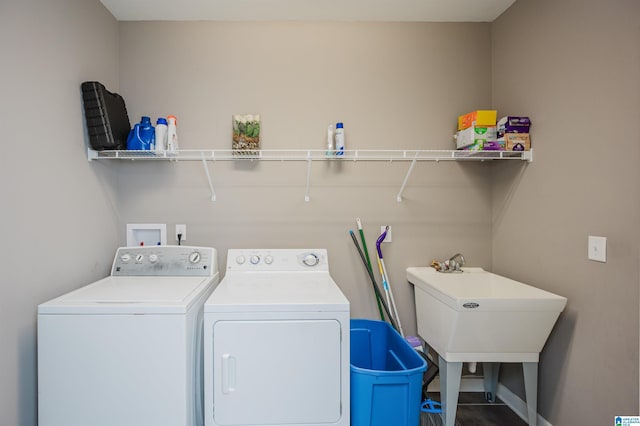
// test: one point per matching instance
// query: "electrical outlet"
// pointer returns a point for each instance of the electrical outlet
(387, 238)
(181, 229)
(597, 248)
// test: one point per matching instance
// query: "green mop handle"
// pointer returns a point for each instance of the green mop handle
(366, 254)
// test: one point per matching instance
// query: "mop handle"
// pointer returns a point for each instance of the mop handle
(393, 301)
(364, 242)
(380, 240)
(385, 279)
(373, 281)
(366, 254)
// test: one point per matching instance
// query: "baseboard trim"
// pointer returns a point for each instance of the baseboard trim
(476, 384)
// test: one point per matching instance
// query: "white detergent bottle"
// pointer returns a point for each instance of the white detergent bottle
(161, 134)
(330, 146)
(172, 134)
(339, 137)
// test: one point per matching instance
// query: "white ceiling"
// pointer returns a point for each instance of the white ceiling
(308, 10)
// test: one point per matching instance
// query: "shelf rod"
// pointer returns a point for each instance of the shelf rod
(406, 178)
(306, 195)
(206, 170)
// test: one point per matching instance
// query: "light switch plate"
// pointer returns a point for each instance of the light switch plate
(597, 248)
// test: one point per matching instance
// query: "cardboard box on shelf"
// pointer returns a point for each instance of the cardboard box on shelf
(479, 118)
(493, 146)
(513, 124)
(475, 136)
(517, 142)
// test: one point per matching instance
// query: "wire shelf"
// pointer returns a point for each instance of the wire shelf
(312, 155)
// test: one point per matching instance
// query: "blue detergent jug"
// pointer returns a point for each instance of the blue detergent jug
(142, 136)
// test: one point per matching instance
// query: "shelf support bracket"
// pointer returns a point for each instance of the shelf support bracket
(406, 178)
(528, 155)
(306, 194)
(91, 154)
(206, 171)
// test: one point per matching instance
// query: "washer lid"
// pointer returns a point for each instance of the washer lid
(277, 292)
(131, 295)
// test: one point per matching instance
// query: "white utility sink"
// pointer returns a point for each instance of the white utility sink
(478, 316)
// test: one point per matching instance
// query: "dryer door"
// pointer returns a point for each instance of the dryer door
(277, 372)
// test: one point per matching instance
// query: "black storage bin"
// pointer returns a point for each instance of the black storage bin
(106, 116)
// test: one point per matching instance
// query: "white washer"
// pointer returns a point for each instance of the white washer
(126, 350)
(277, 342)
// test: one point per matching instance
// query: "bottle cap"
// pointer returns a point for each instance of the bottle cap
(339, 125)
(172, 117)
(145, 119)
(161, 120)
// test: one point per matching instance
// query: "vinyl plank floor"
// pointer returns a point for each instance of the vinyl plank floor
(473, 410)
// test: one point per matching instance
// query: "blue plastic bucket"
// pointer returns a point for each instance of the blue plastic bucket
(386, 376)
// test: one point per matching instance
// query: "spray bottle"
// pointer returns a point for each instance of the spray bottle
(330, 146)
(172, 134)
(339, 138)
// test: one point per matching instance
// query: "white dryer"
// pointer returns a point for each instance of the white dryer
(277, 342)
(126, 350)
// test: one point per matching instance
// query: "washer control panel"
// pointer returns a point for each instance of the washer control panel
(277, 260)
(167, 261)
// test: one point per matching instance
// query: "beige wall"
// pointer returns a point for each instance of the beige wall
(59, 222)
(574, 66)
(394, 86)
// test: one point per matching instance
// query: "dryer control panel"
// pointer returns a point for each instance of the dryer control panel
(168, 261)
(277, 260)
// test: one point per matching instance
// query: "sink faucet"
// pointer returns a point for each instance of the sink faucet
(457, 256)
(449, 265)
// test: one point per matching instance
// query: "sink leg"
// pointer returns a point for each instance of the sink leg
(450, 374)
(491, 370)
(530, 370)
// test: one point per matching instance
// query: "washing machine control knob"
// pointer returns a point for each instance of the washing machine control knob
(240, 260)
(139, 258)
(125, 257)
(268, 260)
(311, 259)
(255, 259)
(153, 258)
(194, 257)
